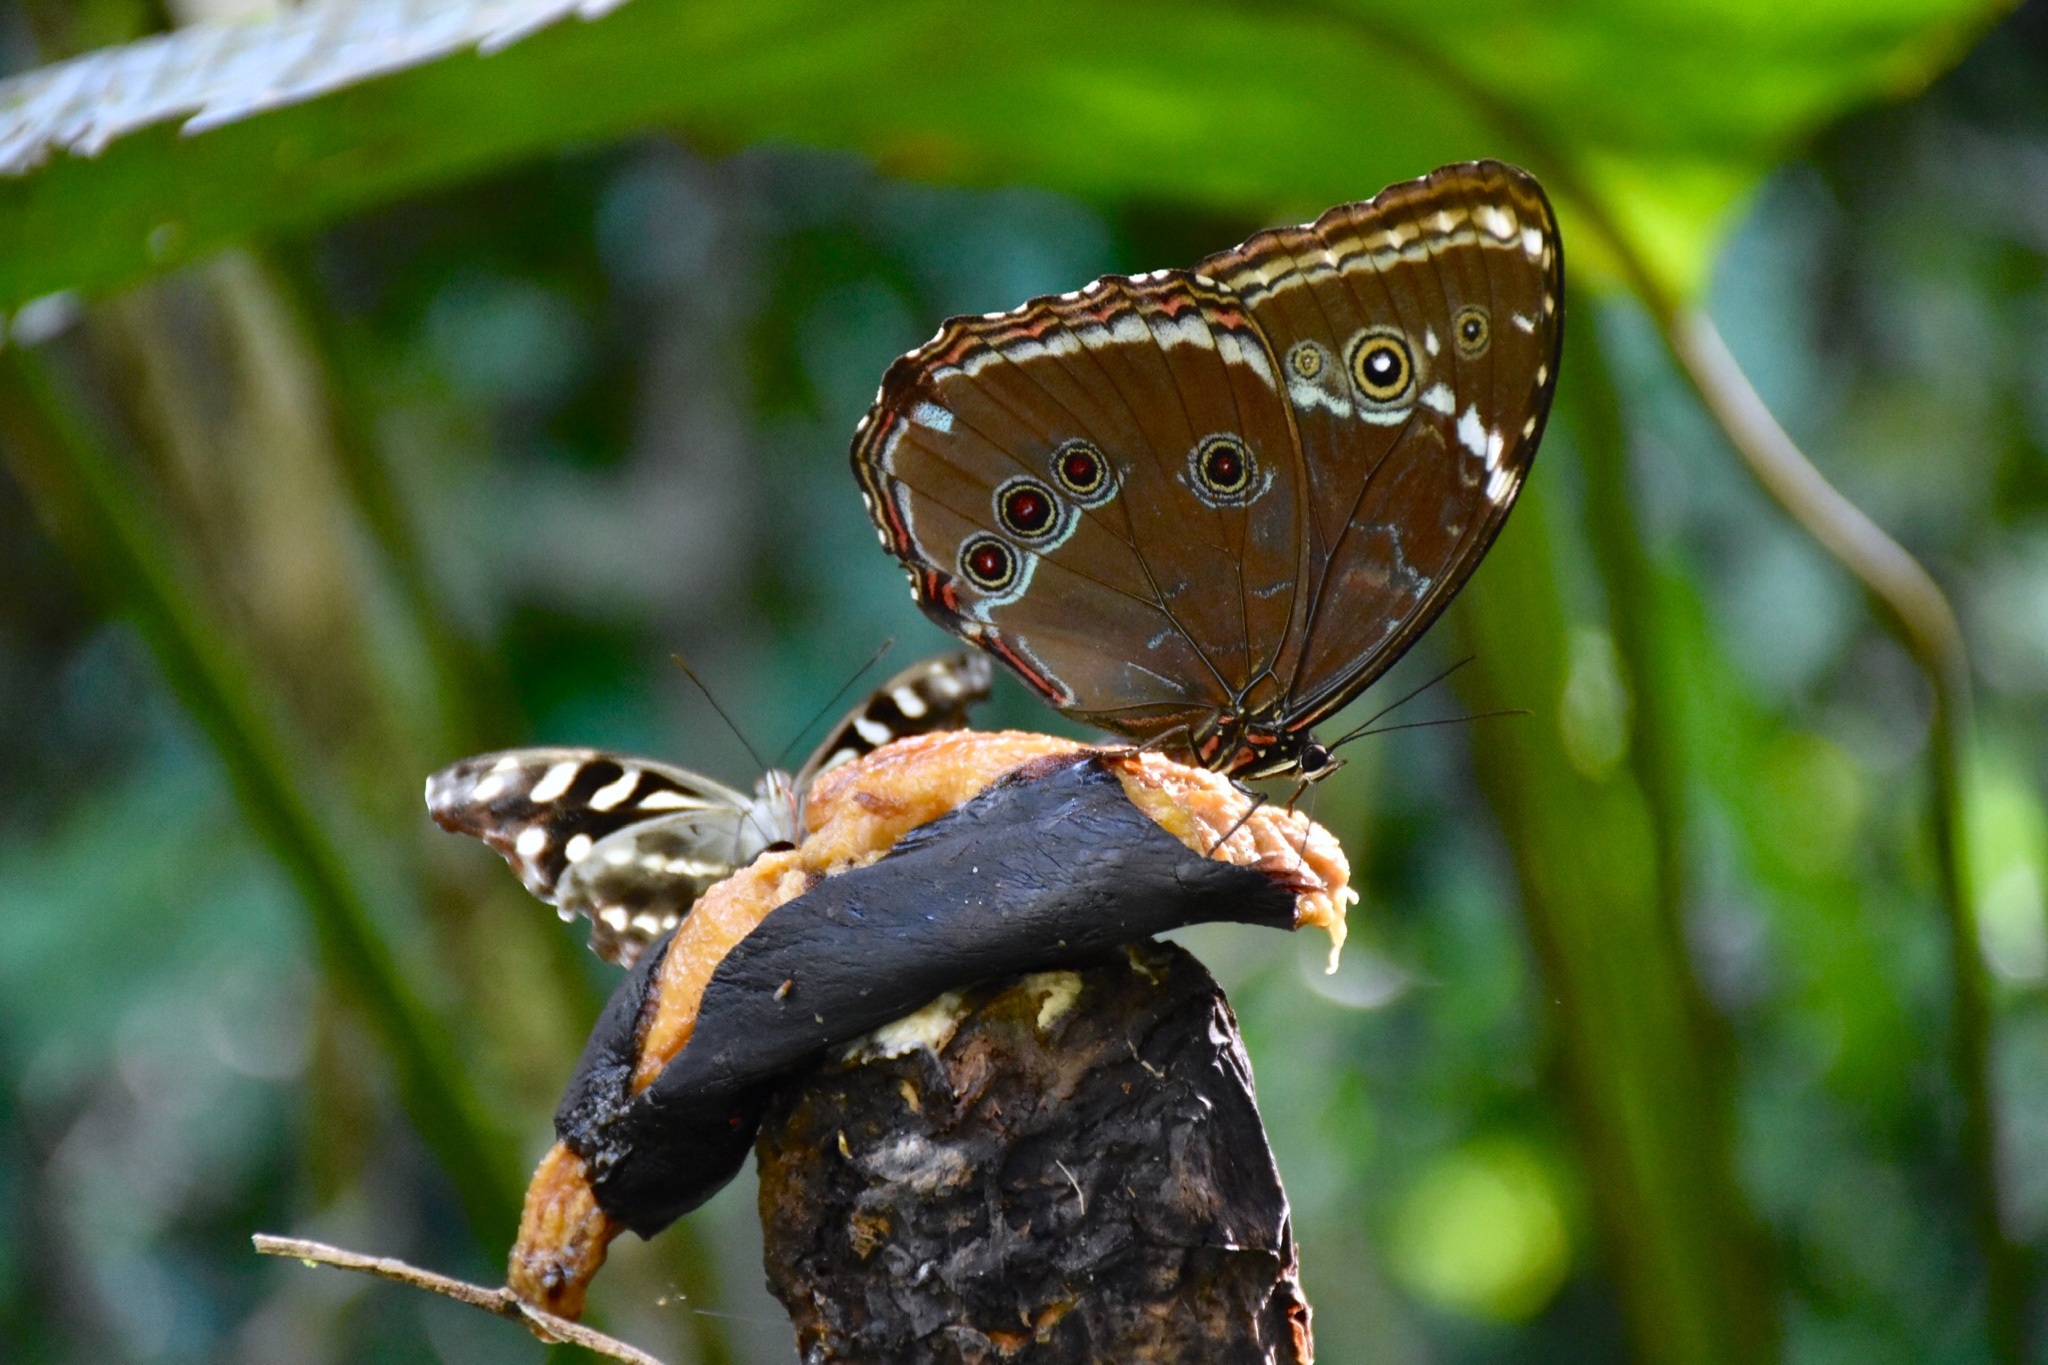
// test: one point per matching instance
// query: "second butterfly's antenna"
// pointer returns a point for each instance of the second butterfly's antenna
(837, 697)
(730, 724)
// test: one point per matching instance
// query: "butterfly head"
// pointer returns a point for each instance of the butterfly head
(1315, 762)
(1297, 755)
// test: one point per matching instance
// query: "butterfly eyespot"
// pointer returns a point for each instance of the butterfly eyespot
(1382, 367)
(1082, 471)
(1225, 472)
(1472, 330)
(1028, 509)
(1307, 360)
(990, 564)
(1226, 465)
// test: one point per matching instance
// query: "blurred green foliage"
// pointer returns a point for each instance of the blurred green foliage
(1640, 1050)
(1669, 111)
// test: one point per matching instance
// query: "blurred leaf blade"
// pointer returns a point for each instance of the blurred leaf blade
(1646, 1093)
(1684, 114)
(81, 496)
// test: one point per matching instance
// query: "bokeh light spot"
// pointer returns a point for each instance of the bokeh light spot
(1483, 1232)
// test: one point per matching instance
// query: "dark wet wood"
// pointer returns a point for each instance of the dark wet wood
(1067, 1178)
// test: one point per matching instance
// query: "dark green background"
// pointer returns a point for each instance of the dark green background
(545, 370)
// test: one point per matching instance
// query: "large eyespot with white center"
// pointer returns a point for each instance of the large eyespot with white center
(1079, 467)
(1029, 510)
(1224, 472)
(989, 563)
(1382, 367)
(1472, 330)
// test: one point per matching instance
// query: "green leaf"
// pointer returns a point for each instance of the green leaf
(1669, 115)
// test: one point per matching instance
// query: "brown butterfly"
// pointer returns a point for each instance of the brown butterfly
(1205, 508)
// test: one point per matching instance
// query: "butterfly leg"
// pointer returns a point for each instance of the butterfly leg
(1304, 785)
(1258, 799)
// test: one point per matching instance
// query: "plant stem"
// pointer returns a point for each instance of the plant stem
(1918, 613)
(1643, 1090)
(475, 697)
(1921, 617)
(1910, 602)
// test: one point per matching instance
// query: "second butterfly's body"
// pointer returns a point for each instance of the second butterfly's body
(1206, 508)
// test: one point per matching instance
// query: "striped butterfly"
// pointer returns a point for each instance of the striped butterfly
(630, 844)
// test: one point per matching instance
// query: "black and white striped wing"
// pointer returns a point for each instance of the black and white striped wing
(631, 844)
(933, 694)
(625, 841)
(636, 885)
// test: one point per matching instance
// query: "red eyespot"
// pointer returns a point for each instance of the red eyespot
(1223, 468)
(1224, 472)
(1080, 469)
(1027, 510)
(988, 563)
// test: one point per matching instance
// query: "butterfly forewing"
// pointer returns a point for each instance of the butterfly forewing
(934, 694)
(1086, 470)
(1462, 271)
(1369, 390)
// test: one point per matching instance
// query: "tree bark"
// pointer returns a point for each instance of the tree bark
(1067, 1166)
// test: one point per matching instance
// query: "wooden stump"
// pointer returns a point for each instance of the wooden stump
(1067, 1166)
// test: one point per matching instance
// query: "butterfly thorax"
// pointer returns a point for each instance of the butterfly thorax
(1249, 746)
(775, 813)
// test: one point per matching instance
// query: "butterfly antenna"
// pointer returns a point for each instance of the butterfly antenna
(837, 697)
(730, 724)
(1392, 707)
(1431, 724)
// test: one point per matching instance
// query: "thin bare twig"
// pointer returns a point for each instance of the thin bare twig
(500, 1302)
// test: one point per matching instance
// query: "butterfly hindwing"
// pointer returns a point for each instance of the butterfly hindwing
(637, 884)
(1101, 490)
